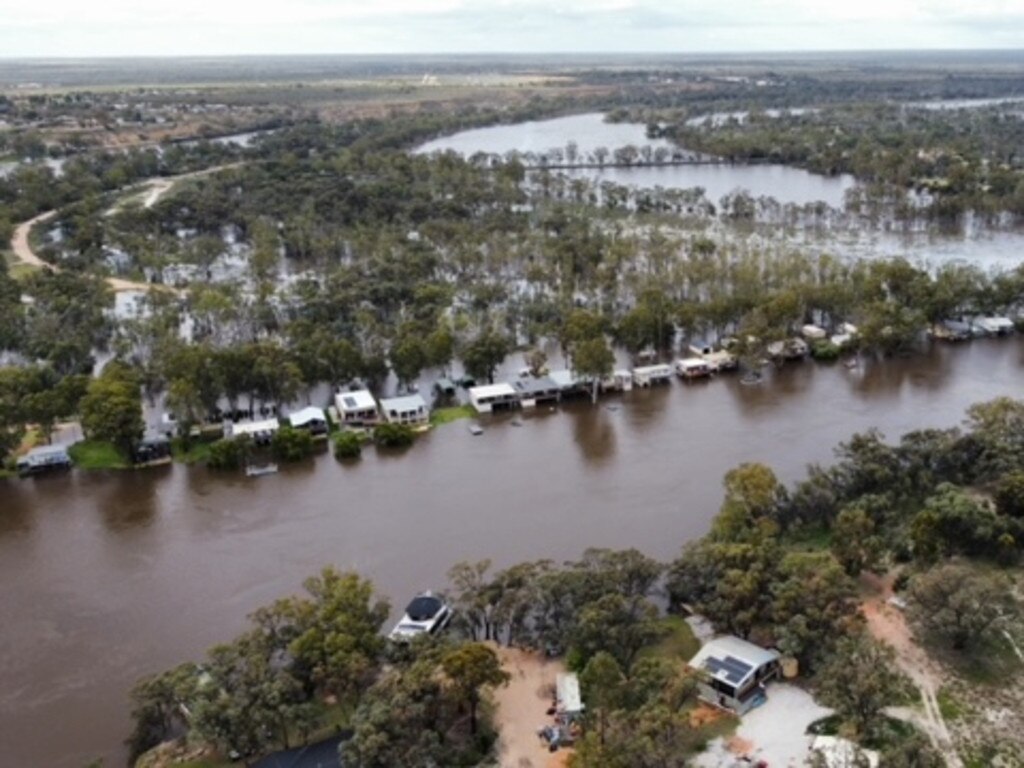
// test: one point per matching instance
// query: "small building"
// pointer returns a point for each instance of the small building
(445, 387)
(261, 432)
(736, 673)
(312, 419)
(411, 410)
(44, 458)
(357, 408)
(493, 397)
(152, 451)
(537, 391)
(568, 703)
(994, 326)
(648, 375)
(690, 368)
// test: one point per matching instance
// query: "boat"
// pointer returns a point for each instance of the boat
(262, 469)
(475, 429)
(427, 614)
(517, 422)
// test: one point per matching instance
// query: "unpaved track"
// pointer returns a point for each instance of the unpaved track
(160, 186)
(889, 625)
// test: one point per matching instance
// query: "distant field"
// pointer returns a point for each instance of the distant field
(110, 72)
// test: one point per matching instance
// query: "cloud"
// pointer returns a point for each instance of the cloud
(109, 27)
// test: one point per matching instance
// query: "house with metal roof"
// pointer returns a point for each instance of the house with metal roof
(44, 458)
(411, 410)
(312, 419)
(735, 673)
(357, 409)
(493, 397)
(539, 390)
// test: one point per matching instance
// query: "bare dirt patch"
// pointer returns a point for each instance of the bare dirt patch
(521, 708)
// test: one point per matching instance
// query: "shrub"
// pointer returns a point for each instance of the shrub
(290, 444)
(393, 436)
(825, 351)
(347, 445)
(229, 453)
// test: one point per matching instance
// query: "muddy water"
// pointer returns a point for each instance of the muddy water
(109, 577)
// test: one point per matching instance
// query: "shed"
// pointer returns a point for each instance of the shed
(619, 380)
(44, 458)
(312, 418)
(153, 450)
(567, 692)
(537, 391)
(357, 408)
(410, 409)
(736, 672)
(491, 397)
(445, 387)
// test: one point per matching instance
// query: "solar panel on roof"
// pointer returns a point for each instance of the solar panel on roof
(731, 668)
(350, 402)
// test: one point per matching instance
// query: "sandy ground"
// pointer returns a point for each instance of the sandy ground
(521, 707)
(775, 732)
(888, 624)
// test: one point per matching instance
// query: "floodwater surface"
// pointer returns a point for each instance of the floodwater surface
(590, 131)
(111, 576)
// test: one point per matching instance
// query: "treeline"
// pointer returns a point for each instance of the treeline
(913, 162)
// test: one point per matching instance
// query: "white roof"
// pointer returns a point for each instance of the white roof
(567, 688)
(492, 390)
(659, 368)
(360, 400)
(563, 378)
(404, 403)
(813, 332)
(254, 427)
(306, 415)
(731, 649)
(692, 362)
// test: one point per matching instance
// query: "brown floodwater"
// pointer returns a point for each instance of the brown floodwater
(108, 577)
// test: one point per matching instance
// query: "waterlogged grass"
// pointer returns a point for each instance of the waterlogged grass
(95, 454)
(448, 415)
(196, 452)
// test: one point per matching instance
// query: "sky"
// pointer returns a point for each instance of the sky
(224, 27)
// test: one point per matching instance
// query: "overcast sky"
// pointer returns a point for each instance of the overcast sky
(200, 27)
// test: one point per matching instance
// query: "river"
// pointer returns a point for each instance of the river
(111, 576)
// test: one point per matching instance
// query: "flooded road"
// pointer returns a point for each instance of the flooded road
(108, 577)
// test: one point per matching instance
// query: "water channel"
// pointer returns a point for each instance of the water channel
(111, 576)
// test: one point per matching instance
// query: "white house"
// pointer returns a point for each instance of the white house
(646, 375)
(312, 418)
(411, 410)
(357, 409)
(491, 397)
(534, 391)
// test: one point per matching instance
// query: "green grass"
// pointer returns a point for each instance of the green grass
(95, 454)
(949, 706)
(448, 415)
(678, 645)
(196, 453)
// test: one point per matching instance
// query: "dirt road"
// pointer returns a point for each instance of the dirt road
(888, 624)
(159, 186)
